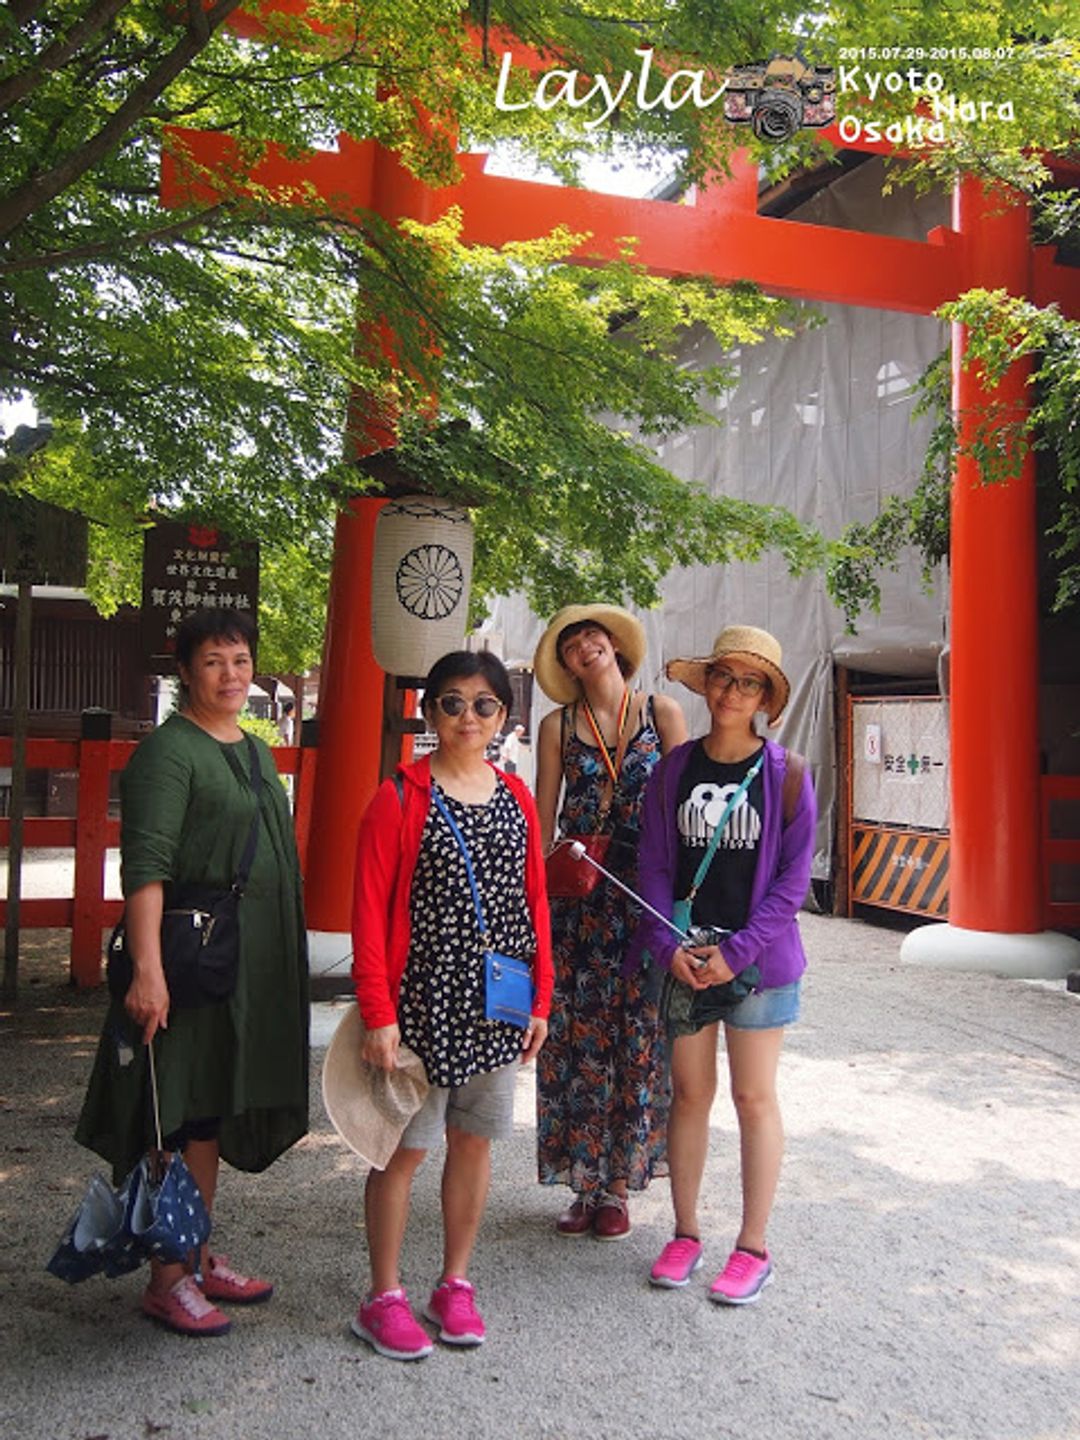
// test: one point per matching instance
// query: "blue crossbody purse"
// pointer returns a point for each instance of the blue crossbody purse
(508, 986)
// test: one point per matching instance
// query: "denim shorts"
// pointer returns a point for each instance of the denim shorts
(767, 1009)
(483, 1106)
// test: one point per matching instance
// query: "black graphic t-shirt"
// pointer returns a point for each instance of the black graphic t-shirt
(704, 790)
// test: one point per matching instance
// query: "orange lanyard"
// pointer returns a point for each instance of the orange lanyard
(613, 768)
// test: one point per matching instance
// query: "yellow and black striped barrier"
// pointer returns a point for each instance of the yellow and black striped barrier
(900, 870)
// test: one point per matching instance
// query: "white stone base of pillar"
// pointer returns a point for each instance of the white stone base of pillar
(329, 953)
(1046, 955)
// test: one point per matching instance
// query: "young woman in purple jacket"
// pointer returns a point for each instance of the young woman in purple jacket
(762, 801)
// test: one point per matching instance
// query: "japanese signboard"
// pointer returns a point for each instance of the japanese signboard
(185, 567)
(900, 753)
(41, 543)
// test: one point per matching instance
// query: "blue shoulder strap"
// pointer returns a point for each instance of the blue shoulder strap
(707, 859)
(445, 813)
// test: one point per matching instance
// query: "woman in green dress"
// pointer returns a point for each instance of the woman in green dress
(232, 1075)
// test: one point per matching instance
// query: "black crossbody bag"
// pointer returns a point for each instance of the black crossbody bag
(200, 928)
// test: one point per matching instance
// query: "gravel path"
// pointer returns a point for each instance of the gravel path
(927, 1243)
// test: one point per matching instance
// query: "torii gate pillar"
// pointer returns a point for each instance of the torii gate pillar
(350, 732)
(351, 694)
(995, 880)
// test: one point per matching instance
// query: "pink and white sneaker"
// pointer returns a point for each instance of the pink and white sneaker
(220, 1282)
(453, 1308)
(742, 1279)
(676, 1263)
(185, 1309)
(388, 1325)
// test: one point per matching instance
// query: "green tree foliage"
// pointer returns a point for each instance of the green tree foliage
(200, 361)
(1004, 329)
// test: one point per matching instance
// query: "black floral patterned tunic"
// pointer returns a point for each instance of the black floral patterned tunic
(441, 1008)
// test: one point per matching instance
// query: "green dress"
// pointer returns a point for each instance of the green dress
(186, 813)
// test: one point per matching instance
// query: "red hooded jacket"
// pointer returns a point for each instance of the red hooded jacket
(386, 851)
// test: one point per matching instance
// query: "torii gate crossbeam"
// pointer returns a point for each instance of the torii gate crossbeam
(996, 880)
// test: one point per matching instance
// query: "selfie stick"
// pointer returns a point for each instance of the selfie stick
(578, 851)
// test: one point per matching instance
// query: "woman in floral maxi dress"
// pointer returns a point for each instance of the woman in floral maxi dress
(602, 1092)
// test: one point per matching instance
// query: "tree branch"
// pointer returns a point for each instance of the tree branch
(56, 55)
(40, 189)
(24, 10)
(60, 259)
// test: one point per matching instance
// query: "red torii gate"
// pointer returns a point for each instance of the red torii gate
(995, 879)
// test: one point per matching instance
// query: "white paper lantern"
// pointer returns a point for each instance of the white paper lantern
(420, 577)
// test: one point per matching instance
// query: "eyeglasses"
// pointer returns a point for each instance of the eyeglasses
(744, 684)
(454, 704)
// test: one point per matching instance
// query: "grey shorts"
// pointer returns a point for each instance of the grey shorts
(483, 1106)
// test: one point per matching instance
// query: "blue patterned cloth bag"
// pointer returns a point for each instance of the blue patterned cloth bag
(166, 1216)
(96, 1241)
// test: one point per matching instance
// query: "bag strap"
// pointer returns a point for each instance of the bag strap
(794, 771)
(564, 732)
(155, 1159)
(154, 1093)
(611, 766)
(440, 805)
(627, 709)
(254, 781)
(710, 853)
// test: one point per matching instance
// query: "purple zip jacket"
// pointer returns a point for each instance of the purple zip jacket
(770, 938)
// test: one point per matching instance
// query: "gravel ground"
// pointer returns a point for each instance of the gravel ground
(926, 1237)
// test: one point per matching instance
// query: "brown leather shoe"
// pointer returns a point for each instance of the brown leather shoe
(578, 1218)
(612, 1218)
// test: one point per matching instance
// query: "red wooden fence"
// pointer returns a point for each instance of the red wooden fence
(1061, 851)
(90, 832)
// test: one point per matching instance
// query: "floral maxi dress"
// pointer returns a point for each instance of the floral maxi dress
(602, 1082)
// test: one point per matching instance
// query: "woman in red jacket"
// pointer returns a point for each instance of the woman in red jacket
(418, 967)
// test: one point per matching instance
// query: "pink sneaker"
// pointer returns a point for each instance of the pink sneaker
(742, 1279)
(185, 1309)
(453, 1308)
(387, 1323)
(678, 1261)
(222, 1283)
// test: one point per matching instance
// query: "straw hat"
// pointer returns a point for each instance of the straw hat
(368, 1107)
(626, 632)
(746, 642)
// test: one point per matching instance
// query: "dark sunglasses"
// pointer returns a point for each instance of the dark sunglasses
(453, 705)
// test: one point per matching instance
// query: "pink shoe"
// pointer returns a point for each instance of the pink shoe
(222, 1283)
(678, 1261)
(185, 1309)
(742, 1279)
(453, 1308)
(387, 1323)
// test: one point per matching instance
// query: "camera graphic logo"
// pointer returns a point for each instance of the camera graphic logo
(780, 95)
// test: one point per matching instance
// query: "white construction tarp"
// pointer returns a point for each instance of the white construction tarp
(821, 424)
